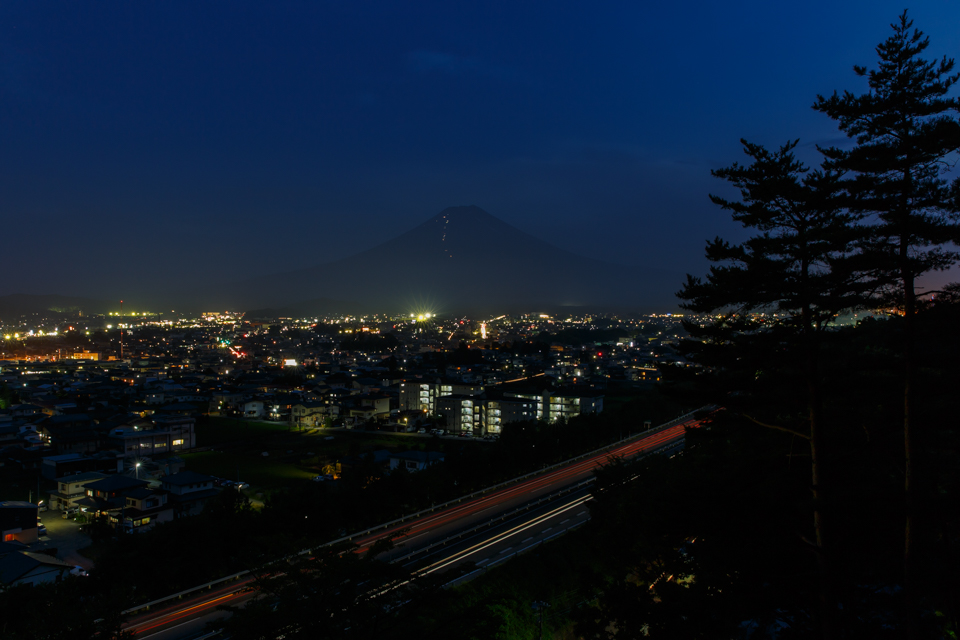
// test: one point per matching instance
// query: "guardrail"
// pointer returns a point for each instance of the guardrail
(450, 503)
(179, 595)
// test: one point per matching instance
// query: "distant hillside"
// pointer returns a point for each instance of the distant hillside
(318, 307)
(464, 260)
(19, 304)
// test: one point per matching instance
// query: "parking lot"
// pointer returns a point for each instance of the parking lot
(64, 536)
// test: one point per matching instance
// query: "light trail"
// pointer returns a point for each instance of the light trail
(477, 548)
(568, 473)
(179, 614)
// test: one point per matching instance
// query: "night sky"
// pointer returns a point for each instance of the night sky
(150, 144)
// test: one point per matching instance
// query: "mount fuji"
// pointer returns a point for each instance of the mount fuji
(461, 260)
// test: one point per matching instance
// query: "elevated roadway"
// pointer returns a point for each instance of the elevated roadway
(486, 530)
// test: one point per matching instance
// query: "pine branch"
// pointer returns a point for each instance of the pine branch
(813, 545)
(777, 427)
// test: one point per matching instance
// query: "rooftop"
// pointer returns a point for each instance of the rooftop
(185, 477)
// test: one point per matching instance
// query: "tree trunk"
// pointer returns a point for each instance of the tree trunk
(817, 450)
(910, 455)
(909, 441)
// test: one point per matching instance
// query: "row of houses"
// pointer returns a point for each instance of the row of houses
(132, 504)
(128, 435)
(129, 505)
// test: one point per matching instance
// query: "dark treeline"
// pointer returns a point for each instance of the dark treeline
(762, 503)
(856, 233)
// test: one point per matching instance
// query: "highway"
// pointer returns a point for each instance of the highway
(509, 538)
(445, 523)
(188, 618)
(485, 530)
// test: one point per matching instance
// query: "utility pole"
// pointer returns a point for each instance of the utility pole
(539, 606)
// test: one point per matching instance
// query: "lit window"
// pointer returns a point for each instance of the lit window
(177, 443)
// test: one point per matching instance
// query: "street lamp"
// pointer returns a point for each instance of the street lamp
(137, 467)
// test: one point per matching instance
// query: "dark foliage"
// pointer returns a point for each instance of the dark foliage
(76, 608)
(907, 136)
(335, 593)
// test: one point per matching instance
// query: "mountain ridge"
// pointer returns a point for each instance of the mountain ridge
(463, 258)
(19, 304)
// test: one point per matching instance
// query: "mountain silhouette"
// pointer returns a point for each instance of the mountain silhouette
(462, 260)
(20, 304)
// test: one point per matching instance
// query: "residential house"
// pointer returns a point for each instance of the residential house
(255, 408)
(71, 489)
(224, 401)
(143, 509)
(280, 406)
(188, 492)
(23, 567)
(309, 414)
(369, 407)
(154, 397)
(70, 433)
(164, 434)
(18, 521)
(127, 502)
(26, 411)
(68, 464)
(179, 409)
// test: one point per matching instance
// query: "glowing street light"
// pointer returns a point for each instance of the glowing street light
(137, 467)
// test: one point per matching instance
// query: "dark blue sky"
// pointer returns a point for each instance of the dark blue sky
(148, 144)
